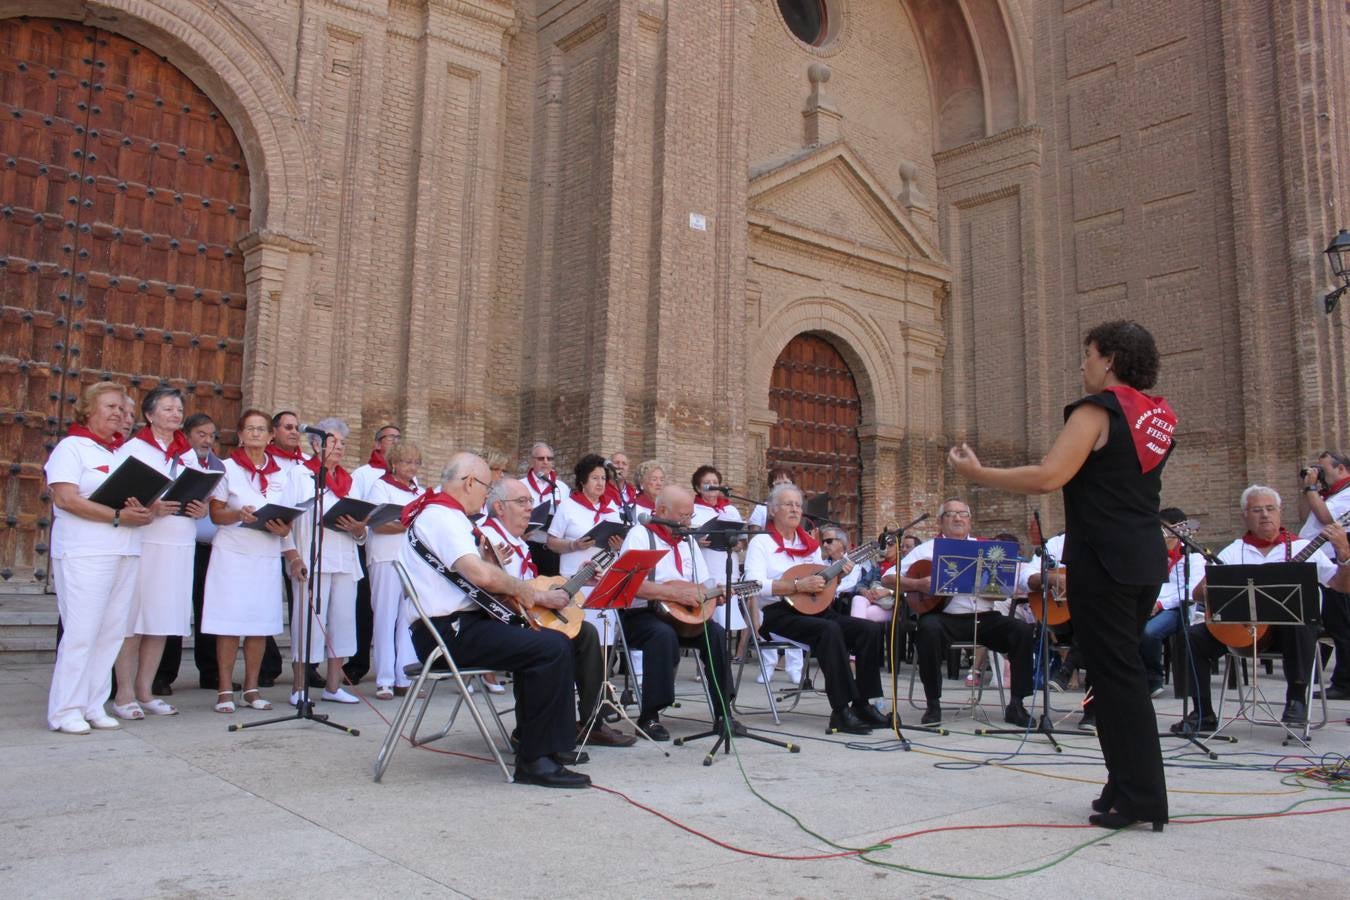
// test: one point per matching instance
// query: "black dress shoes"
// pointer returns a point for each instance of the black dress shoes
(1335, 692)
(931, 716)
(1295, 713)
(653, 727)
(1195, 723)
(846, 721)
(1088, 722)
(571, 758)
(1117, 820)
(546, 772)
(604, 736)
(1016, 714)
(870, 715)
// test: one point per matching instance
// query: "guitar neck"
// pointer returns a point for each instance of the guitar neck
(865, 553)
(1316, 543)
(587, 571)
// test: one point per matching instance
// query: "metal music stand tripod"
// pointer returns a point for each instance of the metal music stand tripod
(313, 604)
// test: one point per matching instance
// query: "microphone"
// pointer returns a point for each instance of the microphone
(648, 519)
(716, 487)
(310, 429)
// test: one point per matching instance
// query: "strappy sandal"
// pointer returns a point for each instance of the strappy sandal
(257, 702)
(225, 706)
(131, 711)
(384, 692)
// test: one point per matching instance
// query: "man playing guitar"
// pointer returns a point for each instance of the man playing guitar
(678, 579)
(541, 660)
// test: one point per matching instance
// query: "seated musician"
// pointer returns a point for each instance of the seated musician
(1166, 619)
(965, 617)
(1068, 659)
(509, 504)
(830, 636)
(1266, 541)
(678, 579)
(541, 660)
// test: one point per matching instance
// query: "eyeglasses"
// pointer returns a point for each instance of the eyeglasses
(831, 541)
(523, 501)
(958, 515)
(543, 459)
(472, 478)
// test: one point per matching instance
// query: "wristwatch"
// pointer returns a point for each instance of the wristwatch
(117, 518)
(1309, 488)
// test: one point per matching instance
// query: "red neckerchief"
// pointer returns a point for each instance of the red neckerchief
(430, 498)
(538, 488)
(1152, 424)
(527, 567)
(377, 460)
(277, 452)
(1284, 537)
(388, 478)
(623, 496)
(721, 504)
(339, 480)
(1174, 556)
(1335, 488)
(887, 565)
(809, 544)
(598, 508)
(78, 430)
(672, 541)
(644, 501)
(267, 468)
(178, 445)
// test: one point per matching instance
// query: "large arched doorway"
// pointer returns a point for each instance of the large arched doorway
(816, 434)
(123, 195)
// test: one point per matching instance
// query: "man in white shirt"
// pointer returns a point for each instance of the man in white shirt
(1325, 498)
(1265, 542)
(1166, 619)
(545, 486)
(965, 617)
(440, 534)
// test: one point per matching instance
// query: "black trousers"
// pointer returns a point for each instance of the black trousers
(1297, 643)
(1336, 620)
(660, 645)
(1108, 620)
(832, 638)
(588, 664)
(1004, 634)
(358, 664)
(541, 662)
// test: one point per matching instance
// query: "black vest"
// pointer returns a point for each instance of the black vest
(1111, 506)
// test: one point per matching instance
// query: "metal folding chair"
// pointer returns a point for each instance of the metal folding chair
(995, 662)
(439, 666)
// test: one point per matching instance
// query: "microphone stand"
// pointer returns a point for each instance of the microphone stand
(1192, 676)
(724, 734)
(313, 609)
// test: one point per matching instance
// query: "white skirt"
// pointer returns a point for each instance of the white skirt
(162, 604)
(243, 595)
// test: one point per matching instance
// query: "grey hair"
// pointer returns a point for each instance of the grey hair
(497, 493)
(451, 470)
(834, 531)
(777, 492)
(332, 425)
(648, 466)
(1255, 489)
(537, 444)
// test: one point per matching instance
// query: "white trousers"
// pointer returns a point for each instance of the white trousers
(768, 661)
(335, 636)
(392, 633)
(93, 595)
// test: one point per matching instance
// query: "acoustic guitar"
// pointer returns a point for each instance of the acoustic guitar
(568, 619)
(1241, 636)
(1057, 608)
(814, 604)
(920, 601)
(688, 620)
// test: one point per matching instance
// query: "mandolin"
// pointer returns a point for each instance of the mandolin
(688, 621)
(814, 604)
(568, 619)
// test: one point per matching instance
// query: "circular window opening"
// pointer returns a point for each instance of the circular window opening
(808, 20)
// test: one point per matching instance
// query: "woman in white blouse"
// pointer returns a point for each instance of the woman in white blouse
(335, 635)
(162, 603)
(577, 514)
(391, 638)
(95, 556)
(242, 596)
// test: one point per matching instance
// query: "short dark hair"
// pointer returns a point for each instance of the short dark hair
(586, 465)
(158, 393)
(702, 471)
(196, 420)
(276, 420)
(1133, 352)
(1173, 515)
(1340, 459)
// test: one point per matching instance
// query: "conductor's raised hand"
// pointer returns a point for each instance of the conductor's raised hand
(963, 460)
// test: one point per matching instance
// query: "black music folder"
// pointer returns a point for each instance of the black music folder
(540, 518)
(347, 506)
(272, 512)
(603, 531)
(723, 535)
(132, 478)
(192, 484)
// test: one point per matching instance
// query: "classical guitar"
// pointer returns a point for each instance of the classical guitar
(814, 604)
(1057, 605)
(1241, 636)
(568, 619)
(688, 620)
(919, 601)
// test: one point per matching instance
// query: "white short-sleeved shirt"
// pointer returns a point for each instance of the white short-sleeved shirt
(539, 489)
(85, 463)
(572, 521)
(1241, 553)
(363, 479)
(285, 463)
(206, 529)
(448, 533)
(715, 560)
(1338, 504)
(764, 563)
(175, 531)
(239, 488)
(339, 547)
(759, 516)
(1169, 596)
(959, 604)
(1055, 546)
(691, 567)
(385, 547)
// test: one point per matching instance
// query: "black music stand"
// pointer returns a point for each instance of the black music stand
(1285, 593)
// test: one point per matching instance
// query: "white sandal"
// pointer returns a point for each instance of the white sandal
(257, 702)
(158, 707)
(130, 711)
(225, 706)
(384, 692)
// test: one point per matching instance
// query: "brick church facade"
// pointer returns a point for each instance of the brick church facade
(835, 235)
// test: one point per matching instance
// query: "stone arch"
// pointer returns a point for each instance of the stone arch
(212, 47)
(975, 67)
